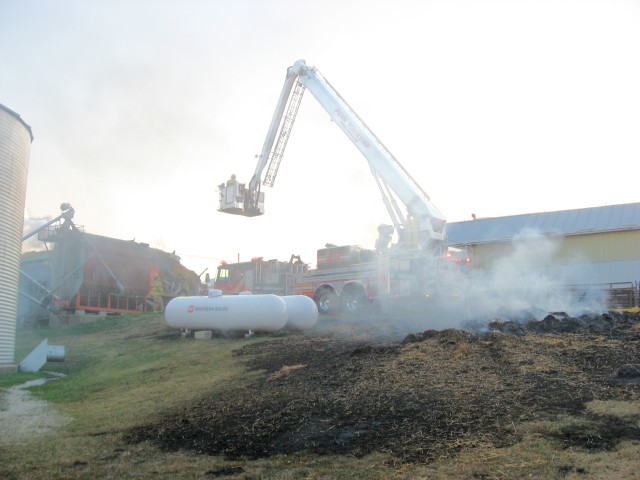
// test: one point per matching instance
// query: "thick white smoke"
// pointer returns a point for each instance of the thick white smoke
(32, 244)
(529, 282)
(528, 279)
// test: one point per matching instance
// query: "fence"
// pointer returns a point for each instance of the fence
(616, 295)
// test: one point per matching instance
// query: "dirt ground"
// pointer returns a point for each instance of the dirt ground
(426, 396)
(23, 416)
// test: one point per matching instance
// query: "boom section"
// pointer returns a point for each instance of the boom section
(280, 128)
(424, 220)
(423, 225)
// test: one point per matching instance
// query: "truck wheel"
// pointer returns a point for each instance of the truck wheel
(327, 301)
(354, 300)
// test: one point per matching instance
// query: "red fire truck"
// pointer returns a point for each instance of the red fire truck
(349, 278)
(260, 276)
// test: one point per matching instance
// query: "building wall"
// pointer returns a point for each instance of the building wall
(603, 247)
(609, 257)
(34, 270)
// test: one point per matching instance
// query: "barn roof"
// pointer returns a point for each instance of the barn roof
(564, 222)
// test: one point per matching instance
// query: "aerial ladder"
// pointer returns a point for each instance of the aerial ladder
(420, 225)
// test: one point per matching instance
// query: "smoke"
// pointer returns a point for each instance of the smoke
(32, 244)
(530, 280)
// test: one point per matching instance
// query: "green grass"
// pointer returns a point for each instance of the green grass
(132, 367)
(119, 372)
(7, 381)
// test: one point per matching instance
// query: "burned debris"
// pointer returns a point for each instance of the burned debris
(427, 396)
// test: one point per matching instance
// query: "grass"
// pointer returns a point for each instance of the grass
(132, 368)
(619, 408)
(128, 370)
(119, 372)
(7, 381)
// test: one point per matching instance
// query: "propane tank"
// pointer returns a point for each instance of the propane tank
(302, 312)
(226, 313)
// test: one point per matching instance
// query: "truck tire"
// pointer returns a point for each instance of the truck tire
(354, 300)
(327, 301)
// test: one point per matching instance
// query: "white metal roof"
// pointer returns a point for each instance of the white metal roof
(565, 222)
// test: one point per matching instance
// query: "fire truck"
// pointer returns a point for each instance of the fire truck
(410, 259)
(260, 276)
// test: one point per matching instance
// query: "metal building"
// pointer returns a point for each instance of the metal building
(596, 247)
(35, 285)
(87, 273)
(15, 146)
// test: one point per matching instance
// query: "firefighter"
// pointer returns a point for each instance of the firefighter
(186, 288)
(232, 180)
(157, 290)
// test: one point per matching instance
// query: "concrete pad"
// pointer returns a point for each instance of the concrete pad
(8, 368)
(203, 335)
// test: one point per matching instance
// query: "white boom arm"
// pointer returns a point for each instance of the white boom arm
(422, 223)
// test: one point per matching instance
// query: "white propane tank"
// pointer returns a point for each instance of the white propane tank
(227, 313)
(302, 312)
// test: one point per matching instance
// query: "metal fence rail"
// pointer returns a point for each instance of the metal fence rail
(616, 295)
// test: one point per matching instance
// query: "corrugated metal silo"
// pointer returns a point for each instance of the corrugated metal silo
(15, 146)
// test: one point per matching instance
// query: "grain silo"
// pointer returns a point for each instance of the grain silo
(15, 145)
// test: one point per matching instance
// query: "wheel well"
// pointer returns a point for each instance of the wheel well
(322, 289)
(354, 288)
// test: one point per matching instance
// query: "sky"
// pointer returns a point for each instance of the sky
(140, 108)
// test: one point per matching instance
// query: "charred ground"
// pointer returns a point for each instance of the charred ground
(426, 396)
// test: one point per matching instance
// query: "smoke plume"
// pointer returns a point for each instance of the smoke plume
(32, 244)
(528, 279)
(531, 280)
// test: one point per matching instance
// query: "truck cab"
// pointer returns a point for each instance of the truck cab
(258, 276)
